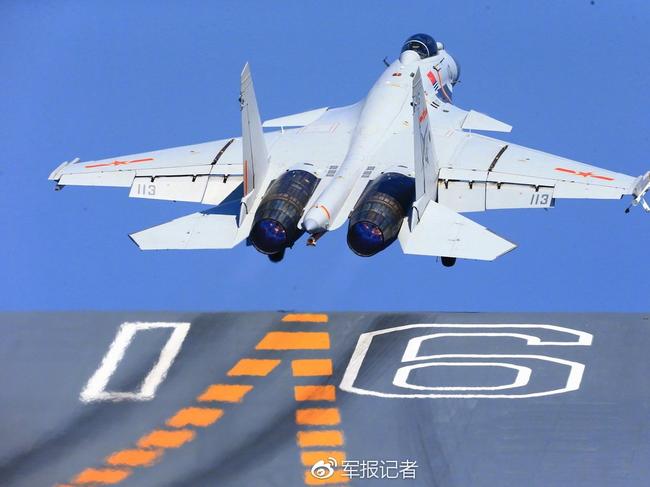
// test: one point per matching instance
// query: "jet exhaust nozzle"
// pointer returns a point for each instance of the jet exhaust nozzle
(275, 227)
(376, 220)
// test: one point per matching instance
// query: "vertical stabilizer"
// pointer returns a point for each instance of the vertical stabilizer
(255, 155)
(426, 162)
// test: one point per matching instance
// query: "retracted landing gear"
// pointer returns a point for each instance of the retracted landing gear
(448, 261)
(277, 257)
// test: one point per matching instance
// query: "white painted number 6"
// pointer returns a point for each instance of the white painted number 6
(529, 381)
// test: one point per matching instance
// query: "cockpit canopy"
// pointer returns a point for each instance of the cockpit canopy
(423, 44)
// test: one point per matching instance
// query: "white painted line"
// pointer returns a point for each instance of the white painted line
(95, 389)
(522, 379)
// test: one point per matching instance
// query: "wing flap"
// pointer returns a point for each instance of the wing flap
(206, 189)
(443, 232)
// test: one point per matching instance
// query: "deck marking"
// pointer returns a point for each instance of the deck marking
(134, 457)
(225, 393)
(95, 389)
(318, 416)
(306, 317)
(315, 393)
(250, 366)
(311, 367)
(151, 446)
(200, 417)
(101, 476)
(319, 438)
(411, 353)
(295, 340)
(166, 438)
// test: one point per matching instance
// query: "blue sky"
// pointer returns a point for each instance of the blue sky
(98, 80)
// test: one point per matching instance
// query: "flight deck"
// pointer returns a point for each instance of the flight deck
(243, 399)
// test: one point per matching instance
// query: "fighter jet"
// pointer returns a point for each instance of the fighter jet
(401, 164)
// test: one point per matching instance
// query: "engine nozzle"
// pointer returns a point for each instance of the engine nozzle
(275, 226)
(377, 218)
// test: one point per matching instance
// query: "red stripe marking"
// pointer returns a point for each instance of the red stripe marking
(432, 77)
(442, 87)
(584, 174)
(327, 213)
(423, 115)
(119, 163)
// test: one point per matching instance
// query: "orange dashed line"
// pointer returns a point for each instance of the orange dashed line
(319, 438)
(250, 366)
(315, 393)
(166, 439)
(294, 340)
(338, 477)
(201, 417)
(306, 317)
(311, 367)
(225, 393)
(308, 458)
(151, 447)
(101, 476)
(318, 416)
(134, 457)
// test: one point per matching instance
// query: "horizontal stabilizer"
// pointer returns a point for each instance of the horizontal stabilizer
(297, 119)
(211, 229)
(443, 232)
(479, 121)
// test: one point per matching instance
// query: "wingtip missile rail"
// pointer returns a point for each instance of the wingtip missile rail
(640, 189)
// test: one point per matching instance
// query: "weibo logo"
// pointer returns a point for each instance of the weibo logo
(324, 469)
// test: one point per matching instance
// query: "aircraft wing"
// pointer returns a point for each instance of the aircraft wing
(204, 173)
(207, 173)
(480, 173)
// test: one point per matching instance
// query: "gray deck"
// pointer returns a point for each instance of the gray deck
(597, 434)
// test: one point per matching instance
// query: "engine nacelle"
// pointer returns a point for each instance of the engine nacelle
(377, 217)
(275, 226)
